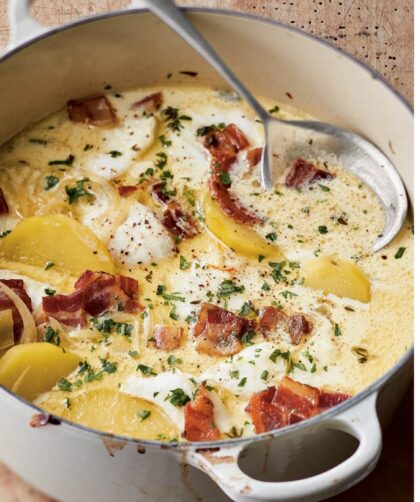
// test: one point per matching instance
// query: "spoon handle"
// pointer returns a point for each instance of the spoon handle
(171, 15)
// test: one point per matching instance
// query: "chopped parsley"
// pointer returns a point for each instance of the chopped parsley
(264, 375)
(324, 188)
(337, 330)
(183, 263)
(261, 257)
(108, 326)
(174, 119)
(227, 288)
(288, 294)
(242, 382)
(50, 182)
(49, 292)
(52, 336)
(162, 160)
(143, 414)
(188, 194)
(247, 337)
(146, 370)
(74, 193)
(4, 233)
(277, 273)
(234, 374)
(66, 162)
(164, 141)
(322, 229)
(170, 297)
(399, 253)
(178, 397)
(108, 366)
(65, 385)
(245, 309)
(114, 154)
(265, 286)
(224, 178)
(272, 236)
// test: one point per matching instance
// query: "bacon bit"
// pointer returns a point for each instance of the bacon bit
(289, 403)
(254, 157)
(95, 293)
(149, 104)
(223, 145)
(178, 222)
(219, 331)
(43, 419)
(96, 110)
(229, 270)
(199, 418)
(126, 190)
(296, 324)
(4, 208)
(167, 338)
(18, 286)
(157, 193)
(304, 173)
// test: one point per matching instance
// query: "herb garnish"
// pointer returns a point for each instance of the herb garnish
(143, 414)
(74, 193)
(227, 288)
(66, 162)
(399, 253)
(65, 385)
(146, 370)
(52, 336)
(323, 229)
(173, 118)
(50, 182)
(178, 397)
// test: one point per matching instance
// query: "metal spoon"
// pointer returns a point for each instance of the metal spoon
(286, 139)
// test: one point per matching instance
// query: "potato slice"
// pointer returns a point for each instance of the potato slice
(56, 243)
(112, 411)
(339, 277)
(240, 238)
(34, 368)
(6, 330)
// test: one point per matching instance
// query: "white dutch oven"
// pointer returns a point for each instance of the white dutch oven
(311, 460)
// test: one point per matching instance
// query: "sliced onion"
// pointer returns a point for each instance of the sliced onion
(29, 333)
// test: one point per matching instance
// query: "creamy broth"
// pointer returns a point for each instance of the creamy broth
(59, 166)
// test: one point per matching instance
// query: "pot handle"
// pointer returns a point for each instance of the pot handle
(24, 27)
(360, 421)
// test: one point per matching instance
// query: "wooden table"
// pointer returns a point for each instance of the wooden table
(378, 32)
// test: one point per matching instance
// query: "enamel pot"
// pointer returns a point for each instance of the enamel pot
(311, 460)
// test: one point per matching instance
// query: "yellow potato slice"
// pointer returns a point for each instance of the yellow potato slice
(339, 277)
(54, 243)
(6, 330)
(240, 238)
(34, 368)
(112, 411)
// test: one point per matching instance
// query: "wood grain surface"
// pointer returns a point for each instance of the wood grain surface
(379, 33)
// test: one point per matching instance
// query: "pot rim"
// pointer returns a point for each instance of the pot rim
(336, 410)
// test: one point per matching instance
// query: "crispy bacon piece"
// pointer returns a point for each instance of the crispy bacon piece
(296, 324)
(219, 331)
(96, 110)
(289, 403)
(254, 157)
(304, 173)
(223, 145)
(199, 418)
(149, 104)
(167, 337)
(4, 208)
(126, 190)
(178, 222)
(157, 193)
(18, 286)
(95, 293)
